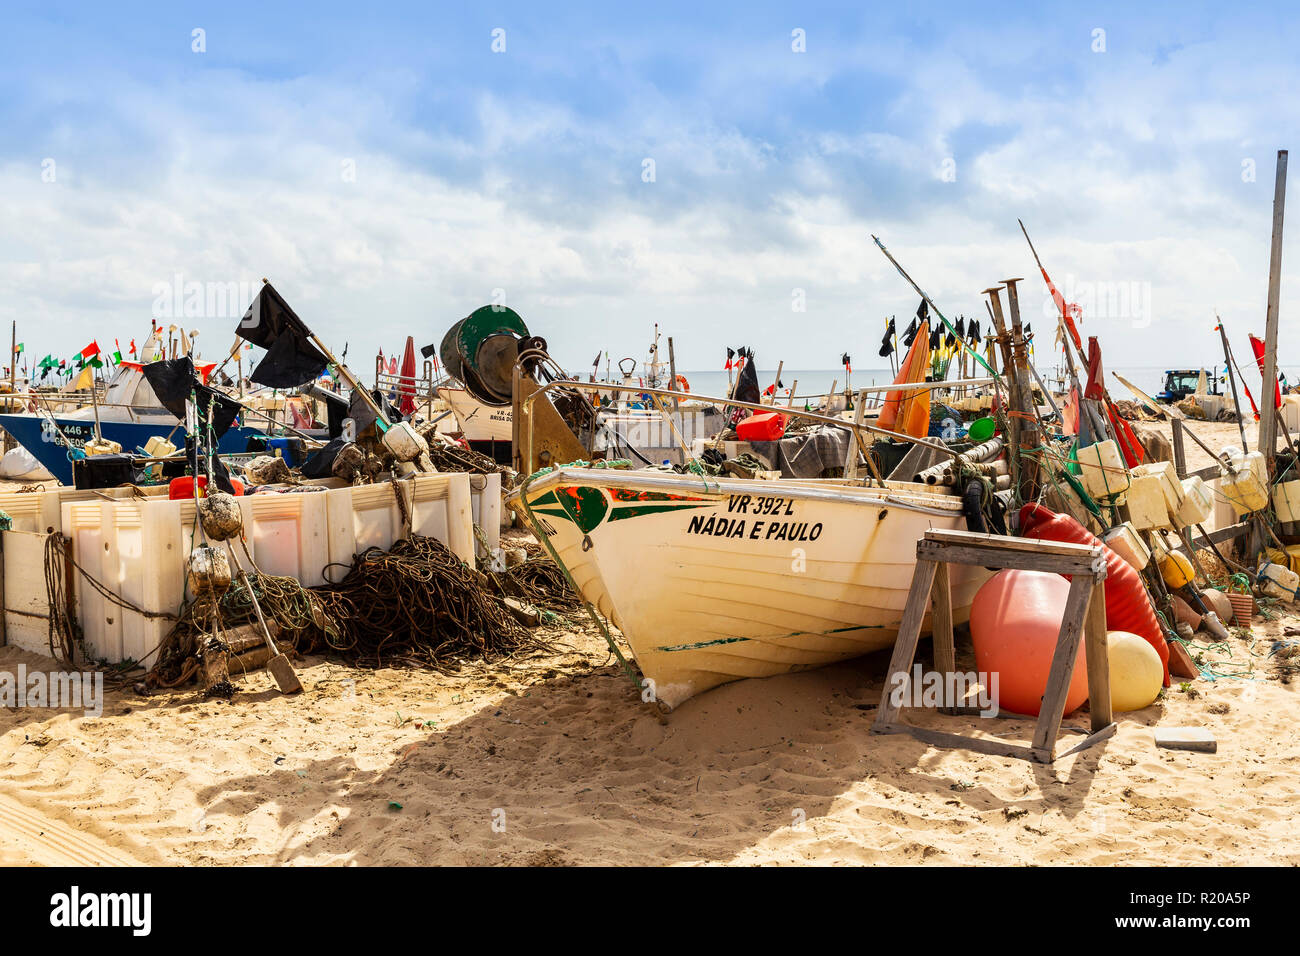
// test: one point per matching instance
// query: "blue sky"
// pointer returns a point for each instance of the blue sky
(519, 174)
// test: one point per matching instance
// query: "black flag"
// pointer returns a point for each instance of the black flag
(172, 380)
(290, 359)
(887, 343)
(910, 335)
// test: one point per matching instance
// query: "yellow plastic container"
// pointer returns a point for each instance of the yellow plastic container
(1279, 581)
(1286, 501)
(1170, 486)
(1146, 503)
(1103, 472)
(1198, 502)
(1125, 541)
(1247, 489)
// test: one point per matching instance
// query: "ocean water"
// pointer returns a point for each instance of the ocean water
(819, 381)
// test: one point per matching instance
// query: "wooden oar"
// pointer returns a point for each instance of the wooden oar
(1146, 399)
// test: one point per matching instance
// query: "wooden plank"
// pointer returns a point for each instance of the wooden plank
(1094, 738)
(992, 557)
(945, 649)
(1067, 650)
(1009, 543)
(1094, 638)
(909, 634)
(1221, 535)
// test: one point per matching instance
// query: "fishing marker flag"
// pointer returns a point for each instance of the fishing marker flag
(291, 359)
(887, 343)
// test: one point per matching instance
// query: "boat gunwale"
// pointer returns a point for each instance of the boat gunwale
(928, 501)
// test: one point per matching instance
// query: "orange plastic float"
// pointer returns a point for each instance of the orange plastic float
(1127, 606)
(1015, 621)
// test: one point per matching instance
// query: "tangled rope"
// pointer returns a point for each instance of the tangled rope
(540, 582)
(418, 605)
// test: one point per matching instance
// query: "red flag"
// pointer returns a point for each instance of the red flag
(90, 351)
(1068, 312)
(1257, 345)
(132, 346)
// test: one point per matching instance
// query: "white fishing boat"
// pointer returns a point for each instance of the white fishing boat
(488, 428)
(713, 580)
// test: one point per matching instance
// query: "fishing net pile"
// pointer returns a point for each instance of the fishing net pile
(540, 582)
(415, 605)
(419, 605)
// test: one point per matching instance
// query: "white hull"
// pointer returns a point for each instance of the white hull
(644, 430)
(476, 421)
(712, 582)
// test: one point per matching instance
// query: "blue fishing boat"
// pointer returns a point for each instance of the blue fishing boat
(130, 414)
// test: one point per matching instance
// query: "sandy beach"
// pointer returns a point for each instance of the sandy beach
(552, 759)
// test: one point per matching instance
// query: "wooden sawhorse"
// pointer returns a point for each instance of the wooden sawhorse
(1085, 619)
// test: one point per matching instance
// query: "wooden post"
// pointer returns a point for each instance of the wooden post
(1267, 411)
(4, 604)
(672, 374)
(1180, 455)
(851, 459)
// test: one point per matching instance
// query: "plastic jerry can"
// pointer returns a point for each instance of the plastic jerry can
(765, 426)
(1279, 581)
(1286, 501)
(1125, 541)
(1247, 489)
(1146, 503)
(1198, 502)
(1102, 469)
(1169, 483)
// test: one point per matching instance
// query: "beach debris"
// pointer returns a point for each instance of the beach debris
(207, 571)
(525, 614)
(1180, 660)
(348, 462)
(1196, 739)
(267, 470)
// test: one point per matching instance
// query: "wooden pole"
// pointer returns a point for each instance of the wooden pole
(1268, 410)
(776, 384)
(1232, 380)
(672, 374)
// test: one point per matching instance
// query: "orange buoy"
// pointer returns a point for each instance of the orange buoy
(1015, 621)
(1128, 608)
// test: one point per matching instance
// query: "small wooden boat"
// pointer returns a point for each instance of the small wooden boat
(713, 580)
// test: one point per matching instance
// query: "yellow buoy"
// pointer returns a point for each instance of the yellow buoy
(1136, 674)
(1176, 569)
